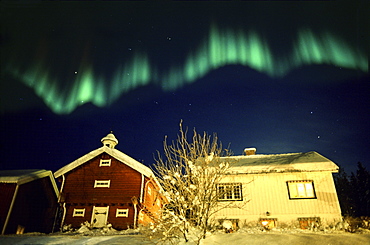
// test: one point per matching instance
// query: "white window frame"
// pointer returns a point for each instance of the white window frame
(102, 184)
(301, 189)
(125, 214)
(105, 162)
(76, 212)
(230, 191)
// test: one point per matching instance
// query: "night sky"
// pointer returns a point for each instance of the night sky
(281, 77)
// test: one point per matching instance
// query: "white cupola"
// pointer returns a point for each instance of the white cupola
(109, 140)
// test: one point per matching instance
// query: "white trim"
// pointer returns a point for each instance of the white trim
(102, 184)
(124, 212)
(105, 162)
(135, 216)
(142, 188)
(129, 161)
(77, 212)
(120, 156)
(64, 215)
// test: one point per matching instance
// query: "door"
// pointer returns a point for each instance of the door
(99, 216)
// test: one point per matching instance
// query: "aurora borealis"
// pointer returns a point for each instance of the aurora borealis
(221, 48)
(278, 76)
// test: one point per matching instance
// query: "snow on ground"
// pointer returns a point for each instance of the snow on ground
(243, 236)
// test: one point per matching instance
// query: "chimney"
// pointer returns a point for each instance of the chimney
(250, 151)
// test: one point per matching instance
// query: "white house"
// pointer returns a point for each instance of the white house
(279, 189)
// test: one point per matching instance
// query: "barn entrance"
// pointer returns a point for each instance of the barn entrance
(99, 216)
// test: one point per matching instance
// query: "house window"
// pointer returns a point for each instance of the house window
(230, 192)
(300, 189)
(268, 223)
(102, 183)
(105, 162)
(309, 222)
(122, 212)
(78, 212)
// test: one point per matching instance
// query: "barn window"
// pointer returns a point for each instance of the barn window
(102, 183)
(105, 162)
(230, 192)
(78, 212)
(122, 212)
(300, 189)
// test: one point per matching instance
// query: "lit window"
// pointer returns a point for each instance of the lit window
(230, 192)
(301, 189)
(78, 212)
(122, 212)
(149, 191)
(102, 183)
(105, 162)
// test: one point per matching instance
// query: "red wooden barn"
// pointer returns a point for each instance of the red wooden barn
(28, 201)
(107, 186)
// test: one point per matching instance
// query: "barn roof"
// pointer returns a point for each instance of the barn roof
(23, 176)
(122, 157)
(289, 162)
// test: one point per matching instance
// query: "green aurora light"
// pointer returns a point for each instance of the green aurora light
(220, 48)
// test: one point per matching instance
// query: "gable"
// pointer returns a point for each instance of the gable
(123, 158)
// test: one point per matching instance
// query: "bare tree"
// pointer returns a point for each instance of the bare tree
(189, 172)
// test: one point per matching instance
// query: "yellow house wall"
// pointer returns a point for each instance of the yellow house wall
(269, 193)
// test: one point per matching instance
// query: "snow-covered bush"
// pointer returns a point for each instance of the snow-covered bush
(189, 173)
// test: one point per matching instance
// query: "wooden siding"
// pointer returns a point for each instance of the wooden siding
(125, 183)
(6, 196)
(269, 193)
(152, 202)
(79, 183)
(34, 208)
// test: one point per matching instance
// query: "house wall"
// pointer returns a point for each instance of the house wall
(79, 192)
(34, 208)
(268, 192)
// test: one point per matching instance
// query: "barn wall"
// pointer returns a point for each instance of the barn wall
(34, 208)
(152, 202)
(268, 192)
(79, 183)
(6, 195)
(79, 190)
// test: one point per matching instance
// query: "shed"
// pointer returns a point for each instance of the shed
(29, 201)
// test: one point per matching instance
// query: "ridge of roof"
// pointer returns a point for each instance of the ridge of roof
(23, 176)
(141, 168)
(286, 162)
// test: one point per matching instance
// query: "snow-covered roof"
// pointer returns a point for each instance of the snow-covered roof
(289, 162)
(23, 176)
(122, 157)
